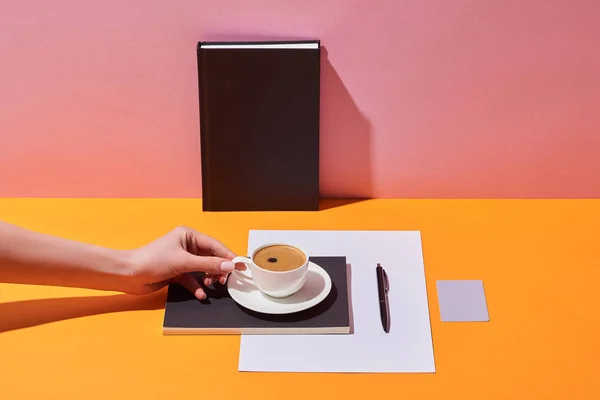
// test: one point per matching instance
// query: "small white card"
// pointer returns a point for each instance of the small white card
(406, 348)
(462, 301)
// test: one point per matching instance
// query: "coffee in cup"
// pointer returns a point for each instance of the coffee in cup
(278, 269)
(279, 258)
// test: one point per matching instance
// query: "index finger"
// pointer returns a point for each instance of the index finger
(212, 245)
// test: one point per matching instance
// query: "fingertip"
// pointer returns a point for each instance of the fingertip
(227, 266)
(200, 295)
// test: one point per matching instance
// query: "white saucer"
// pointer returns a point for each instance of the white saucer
(314, 291)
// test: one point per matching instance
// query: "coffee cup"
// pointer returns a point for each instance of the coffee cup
(278, 269)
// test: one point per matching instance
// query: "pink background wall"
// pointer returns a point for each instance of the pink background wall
(431, 98)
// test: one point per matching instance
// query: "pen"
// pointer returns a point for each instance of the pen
(383, 285)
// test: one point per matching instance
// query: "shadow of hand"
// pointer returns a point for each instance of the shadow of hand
(28, 313)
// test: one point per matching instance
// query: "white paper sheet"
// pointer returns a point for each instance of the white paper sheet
(407, 348)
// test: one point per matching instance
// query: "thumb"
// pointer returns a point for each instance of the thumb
(209, 265)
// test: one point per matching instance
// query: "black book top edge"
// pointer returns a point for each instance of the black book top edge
(255, 42)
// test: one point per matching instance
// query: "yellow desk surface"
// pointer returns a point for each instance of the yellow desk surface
(539, 261)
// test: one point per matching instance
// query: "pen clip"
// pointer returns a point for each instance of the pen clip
(386, 281)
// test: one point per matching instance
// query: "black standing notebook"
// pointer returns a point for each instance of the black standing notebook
(259, 125)
(219, 314)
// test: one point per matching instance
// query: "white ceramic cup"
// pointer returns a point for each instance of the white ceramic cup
(276, 284)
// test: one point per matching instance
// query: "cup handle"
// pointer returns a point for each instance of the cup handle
(248, 263)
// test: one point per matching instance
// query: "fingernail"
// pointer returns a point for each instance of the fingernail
(223, 280)
(227, 266)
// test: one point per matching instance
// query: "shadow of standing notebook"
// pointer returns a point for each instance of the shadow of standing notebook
(220, 314)
(259, 125)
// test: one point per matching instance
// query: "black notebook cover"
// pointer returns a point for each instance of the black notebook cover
(259, 125)
(219, 314)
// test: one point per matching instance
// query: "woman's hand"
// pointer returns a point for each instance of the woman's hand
(172, 257)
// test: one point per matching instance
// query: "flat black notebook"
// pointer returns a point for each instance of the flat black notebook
(219, 314)
(259, 125)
